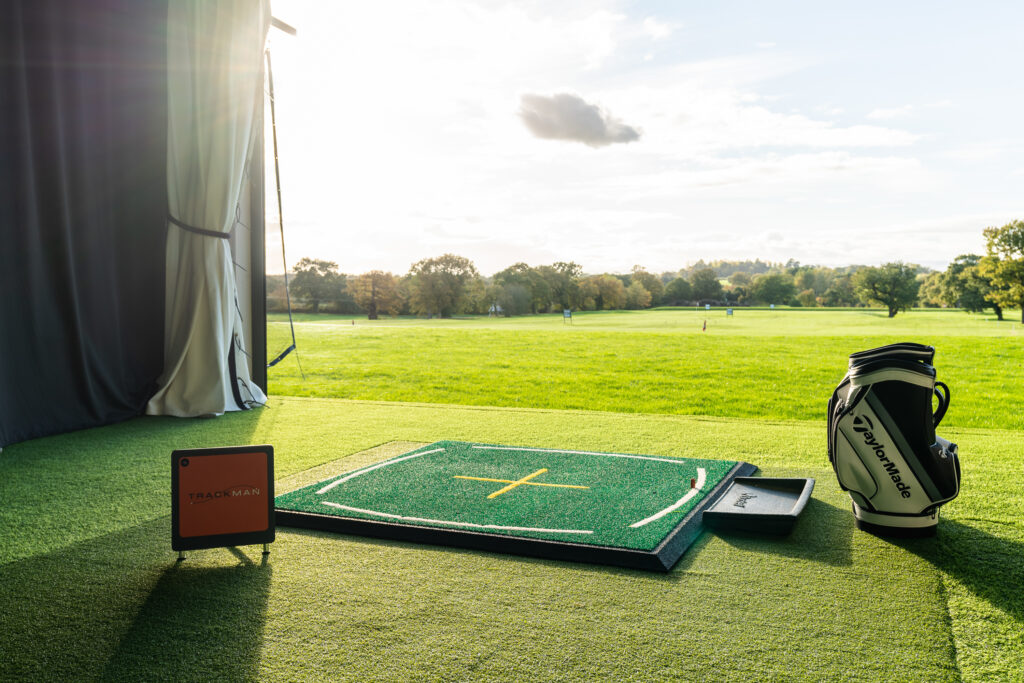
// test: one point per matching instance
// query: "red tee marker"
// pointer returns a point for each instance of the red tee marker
(693, 483)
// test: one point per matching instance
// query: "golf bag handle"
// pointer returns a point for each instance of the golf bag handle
(943, 397)
(905, 351)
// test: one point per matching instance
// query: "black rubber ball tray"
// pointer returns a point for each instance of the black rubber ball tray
(760, 504)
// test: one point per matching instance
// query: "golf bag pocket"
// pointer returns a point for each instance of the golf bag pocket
(882, 442)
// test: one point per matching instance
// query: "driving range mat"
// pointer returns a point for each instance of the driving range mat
(639, 511)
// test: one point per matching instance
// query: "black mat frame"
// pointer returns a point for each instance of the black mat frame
(662, 558)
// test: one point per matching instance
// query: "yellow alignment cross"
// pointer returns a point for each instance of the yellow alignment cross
(520, 482)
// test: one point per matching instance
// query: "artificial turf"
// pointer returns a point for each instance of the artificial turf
(611, 500)
(90, 589)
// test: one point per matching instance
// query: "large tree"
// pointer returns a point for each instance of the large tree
(807, 298)
(817, 278)
(477, 297)
(376, 291)
(929, 292)
(650, 282)
(840, 291)
(439, 286)
(705, 285)
(678, 292)
(964, 287)
(773, 288)
(894, 285)
(637, 295)
(739, 287)
(604, 292)
(740, 279)
(512, 299)
(529, 279)
(1004, 265)
(563, 280)
(316, 281)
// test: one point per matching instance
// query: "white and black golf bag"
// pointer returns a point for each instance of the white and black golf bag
(882, 442)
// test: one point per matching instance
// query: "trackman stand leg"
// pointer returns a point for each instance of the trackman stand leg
(266, 551)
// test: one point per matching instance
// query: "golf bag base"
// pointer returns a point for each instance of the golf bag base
(917, 526)
(882, 442)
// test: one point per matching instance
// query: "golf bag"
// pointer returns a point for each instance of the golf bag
(882, 442)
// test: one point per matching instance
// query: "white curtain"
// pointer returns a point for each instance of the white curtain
(214, 60)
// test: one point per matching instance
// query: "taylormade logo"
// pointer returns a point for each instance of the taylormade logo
(860, 422)
(864, 427)
(239, 491)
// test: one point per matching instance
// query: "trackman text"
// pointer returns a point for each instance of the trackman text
(236, 492)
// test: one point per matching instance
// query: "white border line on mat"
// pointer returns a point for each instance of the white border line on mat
(701, 479)
(492, 527)
(355, 474)
(701, 476)
(674, 461)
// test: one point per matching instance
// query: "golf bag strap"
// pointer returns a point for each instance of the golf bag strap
(943, 397)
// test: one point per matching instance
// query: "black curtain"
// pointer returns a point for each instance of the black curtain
(82, 212)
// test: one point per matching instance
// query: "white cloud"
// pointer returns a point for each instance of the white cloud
(685, 110)
(893, 113)
(565, 116)
(792, 177)
(987, 150)
(656, 29)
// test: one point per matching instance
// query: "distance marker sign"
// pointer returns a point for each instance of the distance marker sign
(222, 497)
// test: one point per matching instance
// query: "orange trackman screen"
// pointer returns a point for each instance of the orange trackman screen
(226, 493)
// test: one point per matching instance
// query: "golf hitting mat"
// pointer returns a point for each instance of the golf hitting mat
(639, 511)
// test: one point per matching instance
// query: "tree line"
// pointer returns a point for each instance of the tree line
(449, 285)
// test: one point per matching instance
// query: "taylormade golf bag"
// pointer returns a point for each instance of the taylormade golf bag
(882, 443)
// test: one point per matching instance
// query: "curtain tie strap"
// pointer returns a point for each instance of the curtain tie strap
(198, 231)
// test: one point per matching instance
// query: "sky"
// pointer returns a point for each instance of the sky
(614, 133)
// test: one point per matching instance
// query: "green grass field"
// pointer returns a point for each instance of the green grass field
(90, 591)
(756, 363)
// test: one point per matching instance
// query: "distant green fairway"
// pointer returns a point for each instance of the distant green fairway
(763, 364)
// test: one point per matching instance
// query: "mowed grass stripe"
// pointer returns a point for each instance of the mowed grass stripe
(717, 373)
(746, 321)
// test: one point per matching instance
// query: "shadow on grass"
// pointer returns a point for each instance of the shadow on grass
(199, 623)
(513, 558)
(61, 490)
(990, 566)
(823, 533)
(117, 607)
